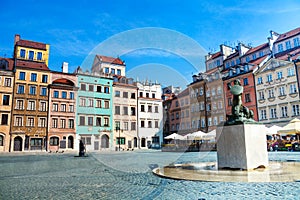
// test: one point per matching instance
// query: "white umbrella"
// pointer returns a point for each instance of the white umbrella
(210, 135)
(291, 128)
(175, 136)
(197, 135)
(273, 130)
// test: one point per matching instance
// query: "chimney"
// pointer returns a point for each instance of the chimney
(17, 38)
(65, 67)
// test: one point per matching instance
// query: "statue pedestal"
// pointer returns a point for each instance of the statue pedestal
(242, 146)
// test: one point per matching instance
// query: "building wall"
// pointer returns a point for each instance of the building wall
(95, 136)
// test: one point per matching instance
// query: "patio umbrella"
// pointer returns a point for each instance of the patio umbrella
(210, 135)
(197, 135)
(175, 136)
(273, 130)
(292, 128)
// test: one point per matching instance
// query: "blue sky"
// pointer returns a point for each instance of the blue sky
(74, 29)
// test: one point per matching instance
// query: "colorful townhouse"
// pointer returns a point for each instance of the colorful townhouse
(150, 114)
(277, 91)
(6, 96)
(30, 96)
(94, 110)
(184, 116)
(125, 113)
(62, 109)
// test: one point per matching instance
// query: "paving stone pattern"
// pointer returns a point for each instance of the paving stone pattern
(124, 175)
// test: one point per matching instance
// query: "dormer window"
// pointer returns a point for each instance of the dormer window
(288, 45)
(247, 59)
(230, 72)
(246, 68)
(238, 70)
(261, 54)
(253, 56)
(280, 48)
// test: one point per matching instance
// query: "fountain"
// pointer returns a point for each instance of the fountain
(241, 153)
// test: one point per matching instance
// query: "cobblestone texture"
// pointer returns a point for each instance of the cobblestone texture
(124, 175)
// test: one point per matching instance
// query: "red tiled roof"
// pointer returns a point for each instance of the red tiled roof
(112, 60)
(258, 48)
(184, 93)
(294, 55)
(288, 34)
(257, 62)
(32, 65)
(212, 70)
(215, 55)
(10, 63)
(31, 44)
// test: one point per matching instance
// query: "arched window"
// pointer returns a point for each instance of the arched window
(1, 140)
(54, 141)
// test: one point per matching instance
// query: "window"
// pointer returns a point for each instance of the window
(98, 103)
(125, 94)
(141, 94)
(247, 59)
(39, 56)
(156, 109)
(113, 71)
(118, 72)
(279, 75)
(106, 121)
(229, 102)
(22, 76)
(261, 54)
(71, 108)
(19, 121)
(149, 124)
(106, 90)
(20, 105)
(43, 106)
(143, 124)
(253, 56)
(98, 121)
(55, 94)
(117, 110)
(86, 140)
(288, 45)
(55, 107)
(117, 93)
(31, 105)
(220, 105)
(291, 71)
(215, 121)
(177, 115)
(54, 123)
(296, 111)
(91, 102)
(246, 81)
(149, 108)
(147, 94)
(263, 114)
(83, 86)
(142, 108)
(121, 140)
(284, 111)
(44, 78)
(63, 108)
(82, 102)
(54, 141)
(209, 121)
(280, 48)
(247, 98)
(43, 91)
(1, 140)
(30, 55)
(133, 126)
(33, 77)
(132, 96)
(7, 82)
(125, 125)
(81, 120)
(293, 89)
(106, 104)
(4, 119)
(30, 121)
(156, 124)
(106, 70)
(125, 110)
(22, 53)
(296, 42)
(62, 123)
(261, 95)
(271, 93)
(5, 100)
(64, 95)
(91, 88)
(132, 111)
(42, 122)
(273, 113)
(281, 91)
(203, 123)
(213, 92)
(32, 90)
(153, 95)
(90, 121)
(259, 80)
(269, 78)
(71, 95)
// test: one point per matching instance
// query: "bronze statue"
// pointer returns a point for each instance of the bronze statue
(239, 113)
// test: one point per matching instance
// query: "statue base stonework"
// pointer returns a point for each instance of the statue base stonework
(242, 147)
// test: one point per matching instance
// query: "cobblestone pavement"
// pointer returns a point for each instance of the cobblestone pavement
(124, 175)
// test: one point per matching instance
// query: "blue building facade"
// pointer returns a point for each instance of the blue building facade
(94, 111)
